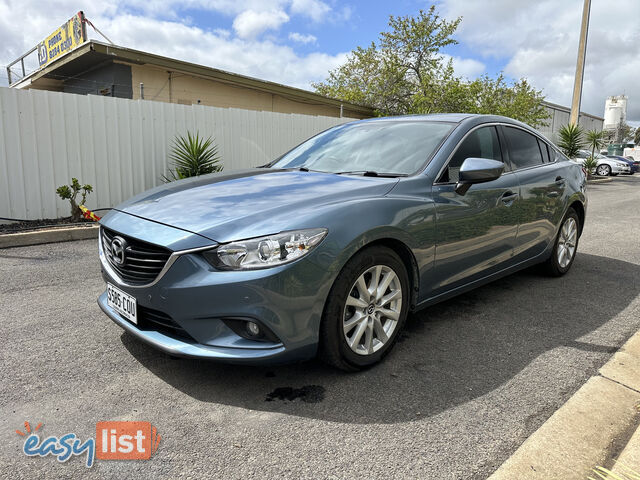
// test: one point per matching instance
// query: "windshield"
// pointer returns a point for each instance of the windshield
(386, 147)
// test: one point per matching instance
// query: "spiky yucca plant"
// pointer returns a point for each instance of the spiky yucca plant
(192, 156)
(571, 139)
(595, 140)
(590, 165)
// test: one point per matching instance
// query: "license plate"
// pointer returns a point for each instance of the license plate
(122, 302)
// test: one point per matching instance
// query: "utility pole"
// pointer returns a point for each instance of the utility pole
(582, 53)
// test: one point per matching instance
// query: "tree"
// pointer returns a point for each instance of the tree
(623, 133)
(405, 72)
(636, 137)
(571, 139)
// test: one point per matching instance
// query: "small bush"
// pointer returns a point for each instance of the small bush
(571, 139)
(590, 165)
(70, 192)
(192, 156)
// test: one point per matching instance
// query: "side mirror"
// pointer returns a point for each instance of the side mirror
(477, 170)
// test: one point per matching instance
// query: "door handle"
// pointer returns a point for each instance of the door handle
(559, 181)
(508, 197)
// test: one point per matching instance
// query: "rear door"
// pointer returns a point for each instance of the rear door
(542, 190)
(475, 232)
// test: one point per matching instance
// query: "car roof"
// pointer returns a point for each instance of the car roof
(446, 117)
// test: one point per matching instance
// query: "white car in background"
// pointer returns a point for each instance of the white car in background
(606, 166)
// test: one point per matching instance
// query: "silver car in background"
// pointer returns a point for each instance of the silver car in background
(606, 166)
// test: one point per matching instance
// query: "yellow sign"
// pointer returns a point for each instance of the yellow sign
(70, 35)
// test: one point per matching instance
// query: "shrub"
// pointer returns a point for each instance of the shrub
(571, 139)
(70, 192)
(590, 165)
(192, 156)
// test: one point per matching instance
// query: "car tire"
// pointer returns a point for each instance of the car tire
(358, 328)
(603, 170)
(566, 241)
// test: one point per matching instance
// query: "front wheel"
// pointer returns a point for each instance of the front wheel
(566, 245)
(603, 170)
(366, 310)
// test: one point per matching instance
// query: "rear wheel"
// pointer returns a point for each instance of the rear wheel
(603, 170)
(564, 250)
(366, 310)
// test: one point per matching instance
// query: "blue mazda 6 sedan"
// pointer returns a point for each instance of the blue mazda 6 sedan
(326, 250)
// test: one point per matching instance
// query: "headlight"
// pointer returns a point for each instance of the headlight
(263, 252)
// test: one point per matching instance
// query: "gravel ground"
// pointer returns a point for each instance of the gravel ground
(470, 379)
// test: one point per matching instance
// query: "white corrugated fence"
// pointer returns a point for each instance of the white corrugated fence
(120, 146)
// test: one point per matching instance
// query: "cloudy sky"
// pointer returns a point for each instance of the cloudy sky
(296, 42)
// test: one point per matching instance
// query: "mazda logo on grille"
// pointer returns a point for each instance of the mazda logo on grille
(118, 246)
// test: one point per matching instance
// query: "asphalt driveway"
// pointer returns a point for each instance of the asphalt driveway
(470, 379)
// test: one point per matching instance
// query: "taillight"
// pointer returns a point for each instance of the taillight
(584, 170)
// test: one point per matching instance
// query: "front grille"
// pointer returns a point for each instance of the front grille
(142, 261)
(149, 319)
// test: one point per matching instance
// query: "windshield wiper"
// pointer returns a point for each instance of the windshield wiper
(371, 173)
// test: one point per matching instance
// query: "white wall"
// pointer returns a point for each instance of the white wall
(120, 146)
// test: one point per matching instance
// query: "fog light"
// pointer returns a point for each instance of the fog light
(253, 329)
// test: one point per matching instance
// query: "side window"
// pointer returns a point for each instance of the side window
(556, 156)
(523, 148)
(545, 151)
(481, 143)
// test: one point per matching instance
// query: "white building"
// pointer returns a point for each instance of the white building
(615, 111)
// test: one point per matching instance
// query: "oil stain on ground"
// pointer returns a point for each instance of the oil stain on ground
(308, 394)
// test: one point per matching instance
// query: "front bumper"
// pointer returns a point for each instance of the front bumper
(182, 348)
(288, 300)
(620, 169)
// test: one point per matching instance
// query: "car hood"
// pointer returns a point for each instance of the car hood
(242, 204)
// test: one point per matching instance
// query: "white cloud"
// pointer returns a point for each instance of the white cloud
(466, 67)
(539, 40)
(258, 58)
(250, 23)
(301, 38)
(315, 9)
(161, 29)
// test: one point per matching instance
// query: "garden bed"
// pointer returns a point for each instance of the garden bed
(49, 223)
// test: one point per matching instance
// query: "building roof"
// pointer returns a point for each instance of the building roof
(93, 53)
(568, 110)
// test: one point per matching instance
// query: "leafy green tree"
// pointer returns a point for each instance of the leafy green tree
(405, 72)
(70, 192)
(571, 139)
(192, 156)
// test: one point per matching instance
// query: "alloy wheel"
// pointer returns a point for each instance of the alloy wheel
(603, 170)
(372, 310)
(567, 242)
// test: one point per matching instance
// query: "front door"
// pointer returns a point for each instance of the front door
(475, 232)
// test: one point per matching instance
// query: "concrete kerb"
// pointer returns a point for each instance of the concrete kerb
(50, 235)
(596, 426)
